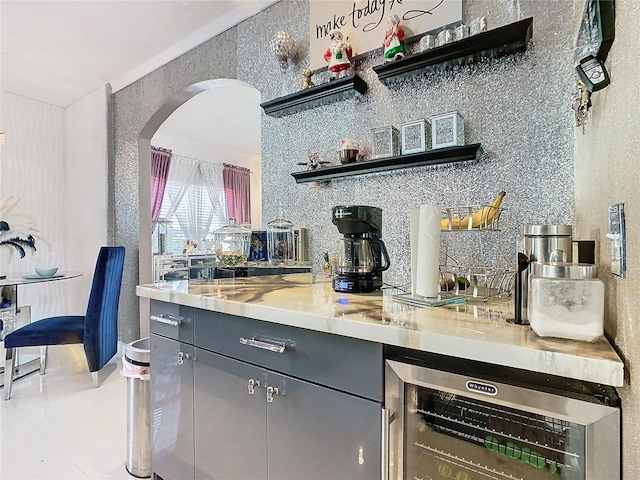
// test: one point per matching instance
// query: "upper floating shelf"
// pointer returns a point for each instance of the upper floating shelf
(495, 43)
(324, 94)
(439, 156)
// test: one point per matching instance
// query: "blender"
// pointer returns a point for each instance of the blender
(360, 255)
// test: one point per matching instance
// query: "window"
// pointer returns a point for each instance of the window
(193, 204)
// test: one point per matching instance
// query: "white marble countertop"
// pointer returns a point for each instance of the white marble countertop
(476, 330)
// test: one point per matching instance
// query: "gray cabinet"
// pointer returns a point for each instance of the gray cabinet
(171, 408)
(230, 427)
(171, 391)
(317, 433)
(254, 423)
(267, 401)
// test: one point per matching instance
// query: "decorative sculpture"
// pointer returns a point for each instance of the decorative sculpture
(393, 44)
(18, 232)
(314, 160)
(283, 46)
(307, 83)
(338, 55)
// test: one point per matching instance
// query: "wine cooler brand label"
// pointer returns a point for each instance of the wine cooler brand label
(484, 388)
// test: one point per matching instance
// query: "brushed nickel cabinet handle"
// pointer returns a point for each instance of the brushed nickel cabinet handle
(271, 391)
(167, 319)
(252, 386)
(271, 345)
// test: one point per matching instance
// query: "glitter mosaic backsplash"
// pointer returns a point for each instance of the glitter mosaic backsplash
(518, 107)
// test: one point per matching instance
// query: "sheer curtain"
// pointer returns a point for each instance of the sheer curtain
(213, 182)
(195, 197)
(237, 192)
(160, 163)
(182, 174)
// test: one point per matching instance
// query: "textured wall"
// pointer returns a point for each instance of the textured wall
(607, 173)
(132, 108)
(32, 169)
(517, 107)
(55, 160)
(85, 207)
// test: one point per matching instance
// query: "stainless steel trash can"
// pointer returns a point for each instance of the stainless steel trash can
(136, 369)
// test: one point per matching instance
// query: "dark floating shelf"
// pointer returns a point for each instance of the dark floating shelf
(440, 156)
(324, 94)
(495, 43)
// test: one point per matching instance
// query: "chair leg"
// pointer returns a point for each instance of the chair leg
(96, 379)
(9, 371)
(44, 357)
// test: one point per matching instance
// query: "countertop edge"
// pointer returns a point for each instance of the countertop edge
(590, 369)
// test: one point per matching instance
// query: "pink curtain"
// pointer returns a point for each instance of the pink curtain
(237, 192)
(160, 163)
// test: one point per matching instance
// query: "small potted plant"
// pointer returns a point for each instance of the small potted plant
(327, 268)
(18, 232)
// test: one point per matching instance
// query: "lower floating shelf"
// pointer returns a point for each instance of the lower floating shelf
(440, 156)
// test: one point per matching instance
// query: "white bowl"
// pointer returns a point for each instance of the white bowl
(47, 271)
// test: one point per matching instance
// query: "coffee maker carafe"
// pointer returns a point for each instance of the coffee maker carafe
(362, 256)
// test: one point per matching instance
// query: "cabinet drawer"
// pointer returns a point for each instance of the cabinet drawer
(347, 364)
(172, 321)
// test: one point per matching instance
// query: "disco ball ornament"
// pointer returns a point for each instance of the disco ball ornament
(283, 46)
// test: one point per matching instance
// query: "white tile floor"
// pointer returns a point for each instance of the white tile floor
(59, 426)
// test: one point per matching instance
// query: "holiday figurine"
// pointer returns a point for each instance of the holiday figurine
(307, 73)
(338, 55)
(393, 44)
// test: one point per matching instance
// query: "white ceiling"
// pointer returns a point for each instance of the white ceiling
(59, 51)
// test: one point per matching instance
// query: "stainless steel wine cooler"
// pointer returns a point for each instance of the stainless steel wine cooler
(452, 424)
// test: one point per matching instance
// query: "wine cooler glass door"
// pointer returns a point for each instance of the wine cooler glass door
(455, 427)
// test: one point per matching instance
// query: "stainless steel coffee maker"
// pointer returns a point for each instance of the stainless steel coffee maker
(362, 256)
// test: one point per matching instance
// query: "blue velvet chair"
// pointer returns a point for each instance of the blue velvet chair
(97, 330)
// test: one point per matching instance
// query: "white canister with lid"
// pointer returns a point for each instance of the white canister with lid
(566, 300)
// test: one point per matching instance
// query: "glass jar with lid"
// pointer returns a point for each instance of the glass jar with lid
(232, 243)
(280, 240)
(566, 300)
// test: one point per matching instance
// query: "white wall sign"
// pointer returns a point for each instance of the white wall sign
(364, 22)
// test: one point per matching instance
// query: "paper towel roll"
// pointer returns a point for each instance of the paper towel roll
(425, 250)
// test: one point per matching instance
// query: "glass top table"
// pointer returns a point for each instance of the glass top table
(29, 278)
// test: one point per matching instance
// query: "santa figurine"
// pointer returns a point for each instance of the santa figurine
(338, 55)
(393, 44)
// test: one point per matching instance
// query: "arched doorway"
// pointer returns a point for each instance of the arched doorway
(231, 116)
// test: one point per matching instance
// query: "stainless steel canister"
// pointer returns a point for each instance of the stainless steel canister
(301, 239)
(544, 243)
(548, 243)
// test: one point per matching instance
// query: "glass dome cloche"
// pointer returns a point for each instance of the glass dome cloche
(232, 243)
